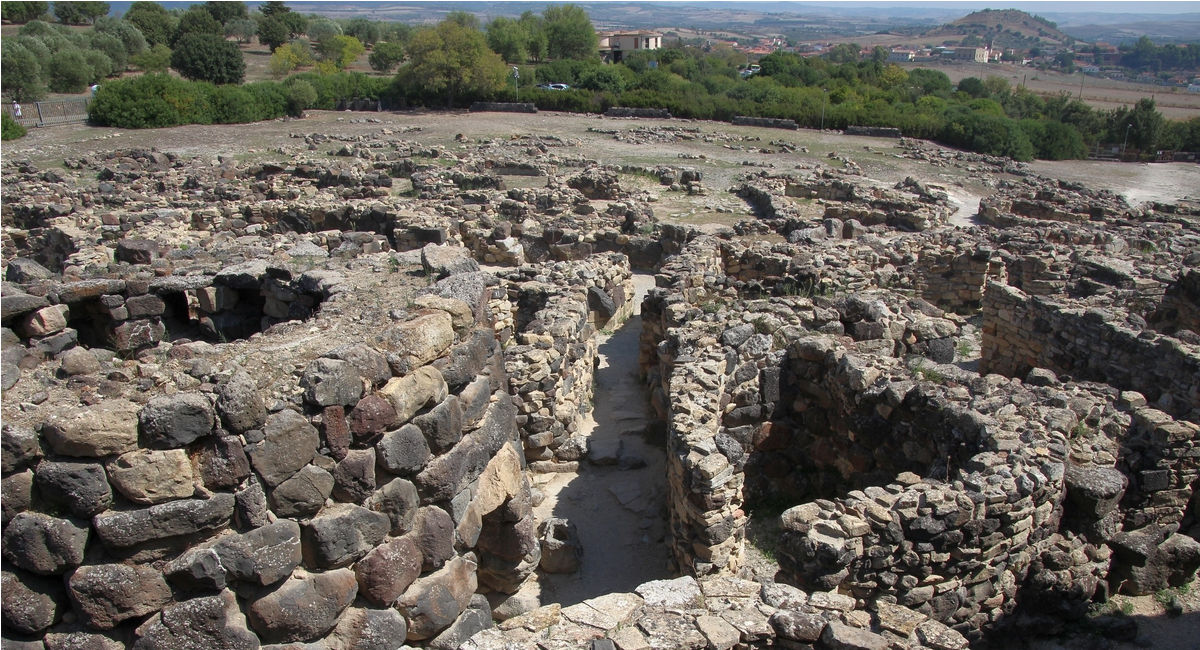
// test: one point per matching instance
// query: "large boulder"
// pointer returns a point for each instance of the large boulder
(222, 463)
(289, 444)
(1095, 490)
(343, 533)
(105, 429)
(137, 251)
(106, 594)
(122, 529)
(78, 486)
(302, 608)
(173, 421)
(206, 623)
(45, 321)
(149, 477)
(403, 451)
(30, 603)
(370, 418)
(442, 261)
(418, 341)
(433, 602)
(442, 425)
(398, 500)
(370, 364)
(328, 382)
(414, 391)
(43, 544)
(354, 476)
(387, 571)
(362, 628)
(19, 448)
(303, 494)
(239, 404)
(264, 555)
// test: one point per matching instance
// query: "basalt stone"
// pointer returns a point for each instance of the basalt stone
(106, 594)
(432, 603)
(122, 529)
(798, 626)
(434, 536)
(398, 500)
(173, 421)
(18, 495)
(1095, 490)
(223, 463)
(372, 416)
(442, 425)
(30, 603)
(387, 571)
(137, 251)
(78, 638)
(354, 476)
(343, 533)
(474, 619)
(444, 477)
(370, 364)
(239, 404)
(474, 400)
(149, 477)
(420, 340)
(79, 361)
(264, 555)
(467, 359)
(289, 444)
(110, 427)
(22, 270)
(302, 608)
(414, 391)
(837, 636)
(251, 510)
(19, 448)
(303, 494)
(21, 303)
(206, 623)
(403, 451)
(328, 382)
(145, 306)
(197, 569)
(43, 544)
(80, 487)
(368, 629)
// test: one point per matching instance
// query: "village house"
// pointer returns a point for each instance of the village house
(614, 45)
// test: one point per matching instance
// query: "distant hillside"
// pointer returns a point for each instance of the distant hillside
(1007, 28)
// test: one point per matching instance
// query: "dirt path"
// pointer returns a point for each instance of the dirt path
(968, 207)
(620, 513)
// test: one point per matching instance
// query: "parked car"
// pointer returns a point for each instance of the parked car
(554, 86)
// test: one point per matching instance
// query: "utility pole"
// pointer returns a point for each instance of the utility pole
(1082, 76)
(1127, 127)
(517, 83)
(824, 99)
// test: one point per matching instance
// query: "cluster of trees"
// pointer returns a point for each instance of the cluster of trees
(51, 56)
(1145, 56)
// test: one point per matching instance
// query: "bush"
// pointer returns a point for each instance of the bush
(22, 73)
(998, 136)
(155, 59)
(386, 55)
(205, 57)
(101, 65)
(339, 50)
(301, 95)
(604, 78)
(113, 48)
(68, 71)
(126, 32)
(9, 129)
(149, 101)
(153, 21)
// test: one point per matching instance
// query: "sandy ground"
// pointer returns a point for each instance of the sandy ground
(620, 514)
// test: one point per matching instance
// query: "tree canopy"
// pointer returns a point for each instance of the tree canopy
(79, 13)
(569, 32)
(451, 61)
(22, 12)
(207, 57)
(152, 20)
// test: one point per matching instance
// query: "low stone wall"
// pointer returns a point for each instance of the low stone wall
(1180, 307)
(557, 310)
(372, 504)
(503, 107)
(873, 131)
(769, 122)
(621, 111)
(1021, 332)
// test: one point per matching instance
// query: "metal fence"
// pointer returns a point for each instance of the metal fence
(66, 111)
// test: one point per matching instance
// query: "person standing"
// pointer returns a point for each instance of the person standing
(16, 110)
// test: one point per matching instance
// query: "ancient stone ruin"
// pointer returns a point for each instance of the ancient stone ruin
(291, 405)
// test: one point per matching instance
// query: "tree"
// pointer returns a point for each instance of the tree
(569, 32)
(844, 53)
(1147, 124)
(368, 32)
(22, 78)
(130, 36)
(451, 61)
(295, 23)
(205, 57)
(340, 50)
(323, 28)
(272, 33)
(274, 8)
(223, 12)
(508, 38)
(112, 47)
(603, 78)
(386, 55)
(23, 12)
(196, 21)
(973, 86)
(243, 29)
(155, 59)
(68, 71)
(535, 31)
(79, 13)
(880, 54)
(152, 21)
(464, 19)
(101, 65)
(287, 58)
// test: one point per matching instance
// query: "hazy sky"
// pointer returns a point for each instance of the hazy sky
(1141, 7)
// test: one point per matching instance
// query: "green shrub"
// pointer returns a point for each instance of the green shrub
(68, 71)
(9, 129)
(196, 21)
(152, 20)
(150, 101)
(22, 12)
(155, 59)
(22, 78)
(386, 55)
(205, 57)
(101, 65)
